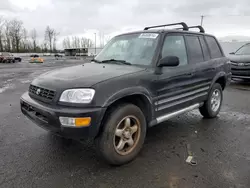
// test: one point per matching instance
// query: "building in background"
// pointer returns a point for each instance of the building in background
(82, 51)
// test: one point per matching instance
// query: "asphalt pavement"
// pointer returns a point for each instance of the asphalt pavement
(32, 157)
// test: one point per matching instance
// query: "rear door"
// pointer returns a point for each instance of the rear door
(202, 65)
(207, 69)
(218, 59)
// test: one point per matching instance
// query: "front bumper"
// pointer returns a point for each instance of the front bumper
(47, 117)
(240, 72)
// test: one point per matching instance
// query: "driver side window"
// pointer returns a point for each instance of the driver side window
(175, 46)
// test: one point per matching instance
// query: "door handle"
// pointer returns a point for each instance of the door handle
(210, 69)
(189, 74)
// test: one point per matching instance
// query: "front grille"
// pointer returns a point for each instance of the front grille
(241, 72)
(42, 92)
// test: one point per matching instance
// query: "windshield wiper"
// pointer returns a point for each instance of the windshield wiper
(116, 61)
(96, 61)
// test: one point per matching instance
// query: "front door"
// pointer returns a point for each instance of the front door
(174, 85)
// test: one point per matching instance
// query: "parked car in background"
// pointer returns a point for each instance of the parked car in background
(17, 58)
(36, 59)
(34, 55)
(58, 55)
(6, 57)
(240, 62)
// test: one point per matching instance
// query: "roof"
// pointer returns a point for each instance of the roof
(165, 31)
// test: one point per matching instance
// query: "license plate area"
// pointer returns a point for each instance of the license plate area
(32, 111)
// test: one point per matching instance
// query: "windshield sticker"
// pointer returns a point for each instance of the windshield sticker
(149, 35)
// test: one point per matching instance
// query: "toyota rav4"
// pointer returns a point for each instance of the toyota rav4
(137, 81)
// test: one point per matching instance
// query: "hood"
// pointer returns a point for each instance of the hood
(239, 58)
(85, 75)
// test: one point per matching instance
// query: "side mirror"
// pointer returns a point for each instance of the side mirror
(169, 61)
(232, 53)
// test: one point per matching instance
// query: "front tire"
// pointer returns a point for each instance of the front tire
(212, 106)
(123, 134)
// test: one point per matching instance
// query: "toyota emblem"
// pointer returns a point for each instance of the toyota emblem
(241, 64)
(38, 91)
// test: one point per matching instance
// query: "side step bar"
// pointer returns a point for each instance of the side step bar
(173, 114)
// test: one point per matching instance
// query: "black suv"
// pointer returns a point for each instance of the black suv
(240, 62)
(138, 80)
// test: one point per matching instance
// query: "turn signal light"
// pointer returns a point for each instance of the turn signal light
(75, 122)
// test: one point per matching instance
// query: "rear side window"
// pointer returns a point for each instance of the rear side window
(194, 49)
(214, 47)
(204, 49)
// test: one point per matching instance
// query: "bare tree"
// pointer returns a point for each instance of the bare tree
(1, 34)
(107, 38)
(50, 37)
(66, 43)
(76, 43)
(86, 43)
(45, 46)
(33, 35)
(16, 27)
(7, 40)
(54, 40)
(25, 42)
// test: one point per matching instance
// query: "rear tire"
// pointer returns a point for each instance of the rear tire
(123, 134)
(212, 106)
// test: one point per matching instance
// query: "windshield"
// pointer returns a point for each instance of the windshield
(244, 50)
(136, 49)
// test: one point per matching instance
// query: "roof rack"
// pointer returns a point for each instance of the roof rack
(184, 25)
(202, 30)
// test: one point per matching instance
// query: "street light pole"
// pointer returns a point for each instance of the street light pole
(95, 43)
(202, 18)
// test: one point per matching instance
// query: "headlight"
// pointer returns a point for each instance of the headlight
(77, 95)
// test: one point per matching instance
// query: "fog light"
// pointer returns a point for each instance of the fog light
(75, 122)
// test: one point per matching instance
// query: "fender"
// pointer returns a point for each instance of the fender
(138, 90)
(218, 75)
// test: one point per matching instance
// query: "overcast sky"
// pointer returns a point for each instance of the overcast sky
(75, 17)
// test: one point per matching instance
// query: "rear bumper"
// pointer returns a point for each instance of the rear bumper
(48, 118)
